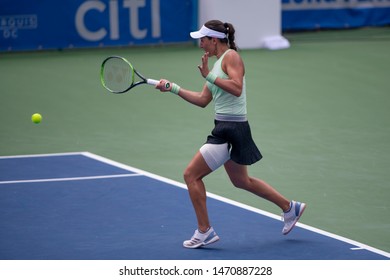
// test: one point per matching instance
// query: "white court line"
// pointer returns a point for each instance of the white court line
(69, 179)
(43, 155)
(356, 245)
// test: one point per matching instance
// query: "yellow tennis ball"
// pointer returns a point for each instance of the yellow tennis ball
(36, 118)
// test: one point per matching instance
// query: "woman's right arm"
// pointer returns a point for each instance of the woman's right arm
(201, 99)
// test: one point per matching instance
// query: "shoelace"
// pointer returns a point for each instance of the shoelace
(288, 219)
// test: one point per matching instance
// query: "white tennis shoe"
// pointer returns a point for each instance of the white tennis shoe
(292, 216)
(201, 239)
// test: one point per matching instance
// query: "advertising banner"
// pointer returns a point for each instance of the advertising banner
(47, 24)
(327, 14)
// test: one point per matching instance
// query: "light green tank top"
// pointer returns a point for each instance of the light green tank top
(226, 103)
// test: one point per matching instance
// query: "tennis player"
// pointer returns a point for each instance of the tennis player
(230, 143)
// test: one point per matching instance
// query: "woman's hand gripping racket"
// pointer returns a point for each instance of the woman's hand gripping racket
(117, 75)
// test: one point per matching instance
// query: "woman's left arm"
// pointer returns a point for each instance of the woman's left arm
(233, 66)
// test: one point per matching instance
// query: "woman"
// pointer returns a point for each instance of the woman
(230, 143)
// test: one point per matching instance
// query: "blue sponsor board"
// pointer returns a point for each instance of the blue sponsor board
(323, 14)
(47, 24)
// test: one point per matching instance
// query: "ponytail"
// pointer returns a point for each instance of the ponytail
(230, 35)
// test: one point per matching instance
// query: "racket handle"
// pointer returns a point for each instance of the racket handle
(152, 82)
(155, 82)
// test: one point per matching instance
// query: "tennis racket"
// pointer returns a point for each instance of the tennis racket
(118, 75)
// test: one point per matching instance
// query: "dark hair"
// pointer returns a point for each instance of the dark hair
(226, 28)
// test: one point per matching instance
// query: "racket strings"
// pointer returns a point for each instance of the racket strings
(118, 75)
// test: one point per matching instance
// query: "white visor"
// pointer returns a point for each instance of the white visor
(204, 31)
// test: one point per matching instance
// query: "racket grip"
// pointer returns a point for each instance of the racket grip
(152, 82)
(155, 82)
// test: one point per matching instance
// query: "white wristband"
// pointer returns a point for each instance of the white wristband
(175, 89)
(211, 77)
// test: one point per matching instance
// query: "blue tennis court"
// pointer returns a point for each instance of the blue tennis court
(81, 206)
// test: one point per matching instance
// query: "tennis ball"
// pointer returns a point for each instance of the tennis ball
(36, 118)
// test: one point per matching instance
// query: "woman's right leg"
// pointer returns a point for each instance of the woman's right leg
(292, 211)
(238, 175)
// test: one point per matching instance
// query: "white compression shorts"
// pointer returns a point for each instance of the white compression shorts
(215, 155)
